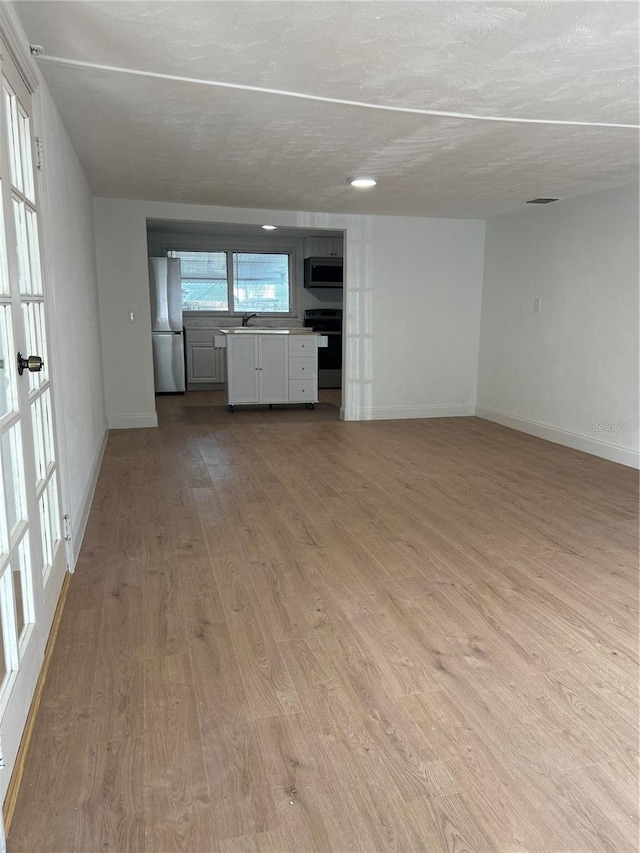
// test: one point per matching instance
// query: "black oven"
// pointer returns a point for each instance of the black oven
(327, 321)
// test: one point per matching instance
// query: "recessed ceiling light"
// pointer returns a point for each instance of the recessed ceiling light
(269, 227)
(363, 183)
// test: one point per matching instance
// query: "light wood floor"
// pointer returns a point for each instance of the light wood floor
(289, 633)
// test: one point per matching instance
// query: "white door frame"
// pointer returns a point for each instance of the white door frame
(46, 588)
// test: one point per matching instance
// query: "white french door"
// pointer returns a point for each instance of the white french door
(32, 558)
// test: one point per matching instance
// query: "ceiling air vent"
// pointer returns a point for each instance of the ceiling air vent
(542, 200)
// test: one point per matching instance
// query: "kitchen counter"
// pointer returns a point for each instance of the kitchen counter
(251, 330)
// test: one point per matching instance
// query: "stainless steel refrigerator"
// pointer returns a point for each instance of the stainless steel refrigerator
(167, 335)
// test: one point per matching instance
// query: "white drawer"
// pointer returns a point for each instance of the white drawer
(303, 345)
(303, 368)
(303, 391)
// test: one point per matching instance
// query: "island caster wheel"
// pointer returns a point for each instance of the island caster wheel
(310, 405)
(231, 407)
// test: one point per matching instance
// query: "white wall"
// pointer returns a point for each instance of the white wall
(74, 327)
(426, 296)
(409, 281)
(570, 372)
(123, 286)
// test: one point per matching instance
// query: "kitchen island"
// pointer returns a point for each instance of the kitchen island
(271, 366)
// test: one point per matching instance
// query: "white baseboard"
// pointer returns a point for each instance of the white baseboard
(80, 525)
(381, 413)
(141, 421)
(594, 446)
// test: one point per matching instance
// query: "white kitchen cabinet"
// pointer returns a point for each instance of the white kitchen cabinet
(205, 360)
(323, 247)
(272, 368)
(257, 369)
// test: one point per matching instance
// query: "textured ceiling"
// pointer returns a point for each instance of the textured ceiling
(175, 140)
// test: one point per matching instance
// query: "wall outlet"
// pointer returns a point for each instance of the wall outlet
(537, 304)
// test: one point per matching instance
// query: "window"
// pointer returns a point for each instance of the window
(205, 285)
(236, 282)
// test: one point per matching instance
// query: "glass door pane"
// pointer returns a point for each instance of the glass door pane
(15, 158)
(12, 477)
(8, 373)
(22, 588)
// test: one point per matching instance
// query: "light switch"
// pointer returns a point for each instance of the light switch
(537, 303)
(133, 316)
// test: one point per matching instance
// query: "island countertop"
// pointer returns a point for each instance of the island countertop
(251, 330)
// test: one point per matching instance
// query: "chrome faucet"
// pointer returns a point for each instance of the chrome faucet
(246, 318)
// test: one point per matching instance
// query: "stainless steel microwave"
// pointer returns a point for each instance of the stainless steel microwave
(323, 272)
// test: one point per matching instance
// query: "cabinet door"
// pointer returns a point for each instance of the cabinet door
(205, 363)
(242, 369)
(201, 363)
(273, 363)
(316, 247)
(322, 247)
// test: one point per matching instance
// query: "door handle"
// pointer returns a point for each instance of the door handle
(33, 364)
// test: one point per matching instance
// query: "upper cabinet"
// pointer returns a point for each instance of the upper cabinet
(323, 247)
